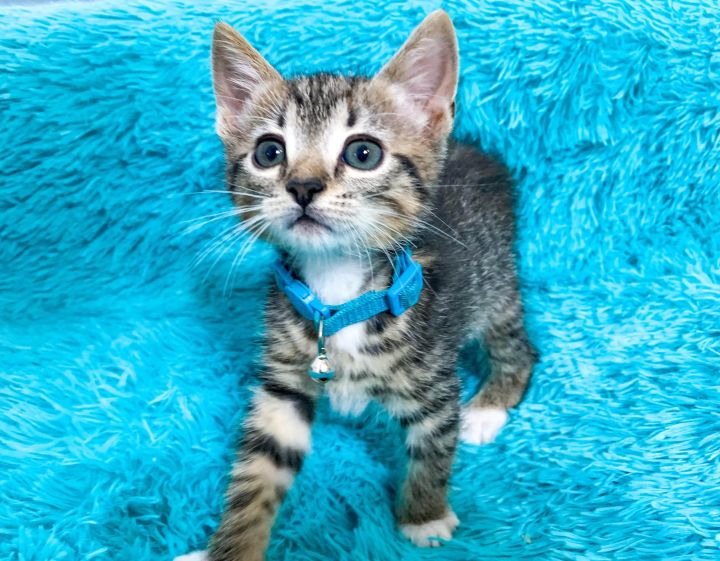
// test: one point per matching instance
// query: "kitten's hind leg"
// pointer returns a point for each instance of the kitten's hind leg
(511, 361)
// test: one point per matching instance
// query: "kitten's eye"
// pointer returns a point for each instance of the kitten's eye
(363, 154)
(269, 152)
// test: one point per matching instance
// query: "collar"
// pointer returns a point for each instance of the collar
(404, 293)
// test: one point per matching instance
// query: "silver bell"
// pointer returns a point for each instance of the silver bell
(321, 370)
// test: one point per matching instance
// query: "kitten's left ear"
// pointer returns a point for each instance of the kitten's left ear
(425, 70)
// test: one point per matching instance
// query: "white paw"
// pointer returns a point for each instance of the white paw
(430, 533)
(194, 556)
(481, 425)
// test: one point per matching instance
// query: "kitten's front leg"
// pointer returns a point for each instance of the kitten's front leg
(276, 438)
(432, 433)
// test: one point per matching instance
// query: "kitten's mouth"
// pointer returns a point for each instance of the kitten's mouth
(309, 223)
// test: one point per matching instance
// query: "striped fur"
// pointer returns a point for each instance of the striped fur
(450, 203)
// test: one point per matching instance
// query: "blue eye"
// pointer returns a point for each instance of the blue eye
(363, 154)
(269, 152)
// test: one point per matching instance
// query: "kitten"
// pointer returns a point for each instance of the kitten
(342, 174)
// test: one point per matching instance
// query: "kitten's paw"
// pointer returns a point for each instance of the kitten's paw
(194, 556)
(430, 533)
(480, 425)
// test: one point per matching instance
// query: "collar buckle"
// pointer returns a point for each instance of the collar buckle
(405, 290)
(301, 297)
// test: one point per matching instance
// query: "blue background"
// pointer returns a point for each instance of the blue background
(124, 369)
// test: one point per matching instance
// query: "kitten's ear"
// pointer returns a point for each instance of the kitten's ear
(239, 71)
(425, 69)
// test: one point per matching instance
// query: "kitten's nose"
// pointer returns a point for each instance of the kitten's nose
(304, 189)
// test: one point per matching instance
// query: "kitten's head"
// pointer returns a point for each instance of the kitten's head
(327, 163)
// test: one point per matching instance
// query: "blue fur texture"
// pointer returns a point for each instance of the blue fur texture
(125, 370)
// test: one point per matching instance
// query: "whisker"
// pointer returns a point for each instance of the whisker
(453, 230)
(242, 252)
(203, 192)
(230, 244)
(375, 222)
(223, 237)
(231, 241)
(244, 188)
(250, 195)
(482, 184)
(232, 233)
(360, 246)
(257, 235)
(237, 211)
(423, 224)
(223, 193)
(215, 240)
(427, 225)
(381, 247)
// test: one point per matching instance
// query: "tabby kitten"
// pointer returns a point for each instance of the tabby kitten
(341, 174)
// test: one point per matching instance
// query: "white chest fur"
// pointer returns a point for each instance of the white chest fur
(336, 282)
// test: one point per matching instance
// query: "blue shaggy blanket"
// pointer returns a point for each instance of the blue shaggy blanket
(125, 366)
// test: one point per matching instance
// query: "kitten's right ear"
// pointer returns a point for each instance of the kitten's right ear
(239, 72)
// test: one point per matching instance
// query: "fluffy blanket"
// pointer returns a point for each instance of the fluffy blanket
(125, 366)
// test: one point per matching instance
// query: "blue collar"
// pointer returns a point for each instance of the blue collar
(404, 293)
